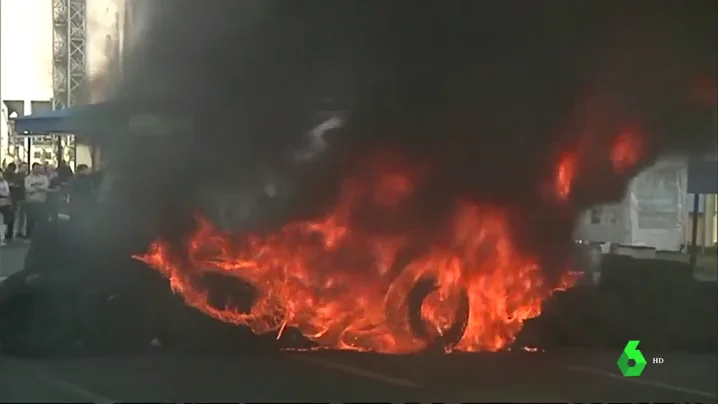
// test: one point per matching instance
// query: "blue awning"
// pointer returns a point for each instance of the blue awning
(68, 120)
(114, 116)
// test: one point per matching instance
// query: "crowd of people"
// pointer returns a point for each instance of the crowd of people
(33, 195)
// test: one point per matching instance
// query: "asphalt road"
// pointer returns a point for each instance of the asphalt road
(342, 376)
(567, 375)
(12, 258)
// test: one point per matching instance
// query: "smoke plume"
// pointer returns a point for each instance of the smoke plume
(488, 93)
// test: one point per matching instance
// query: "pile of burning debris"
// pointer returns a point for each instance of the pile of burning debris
(438, 215)
(357, 277)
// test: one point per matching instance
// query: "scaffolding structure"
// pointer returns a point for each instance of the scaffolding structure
(69, 43)
(69, 64)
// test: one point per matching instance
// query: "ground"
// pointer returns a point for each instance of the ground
(566, 375)
(12, 258)
(583, 376)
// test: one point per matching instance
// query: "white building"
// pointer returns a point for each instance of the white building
(26, 61)
(656, 212)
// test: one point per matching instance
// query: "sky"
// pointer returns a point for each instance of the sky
(26, 49)
(27, 45)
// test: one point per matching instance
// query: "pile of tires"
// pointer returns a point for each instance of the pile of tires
(655, 301)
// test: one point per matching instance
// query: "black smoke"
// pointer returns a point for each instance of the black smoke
(492, 90)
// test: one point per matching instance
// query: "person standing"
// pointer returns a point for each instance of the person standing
(50, 170)
(6, 212)
(82, 194)
(36, 187)
(57, 192)
(21, 217)
(16, 179)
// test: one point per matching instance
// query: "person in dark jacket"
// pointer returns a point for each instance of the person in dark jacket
(81, 193)
(58, 190)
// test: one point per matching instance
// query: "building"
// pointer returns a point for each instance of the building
(25, 68)
(656, 212)
(26, 72)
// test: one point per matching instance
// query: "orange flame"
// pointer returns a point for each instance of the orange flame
(626, 151)
(346, 288)
(565, 175)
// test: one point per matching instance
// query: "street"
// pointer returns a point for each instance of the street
(12, 258)
(156, 375)
(341, 376)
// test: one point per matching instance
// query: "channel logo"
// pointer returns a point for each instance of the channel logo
(632, 363)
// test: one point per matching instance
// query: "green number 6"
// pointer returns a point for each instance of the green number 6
(631, 352)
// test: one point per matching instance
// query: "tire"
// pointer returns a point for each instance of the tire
(421, 290)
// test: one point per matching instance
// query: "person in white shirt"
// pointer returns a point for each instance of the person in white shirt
(36, 188)
(6, 212)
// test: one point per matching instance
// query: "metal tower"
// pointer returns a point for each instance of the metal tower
(69, 39)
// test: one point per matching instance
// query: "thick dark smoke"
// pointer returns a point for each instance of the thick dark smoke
(494, 91)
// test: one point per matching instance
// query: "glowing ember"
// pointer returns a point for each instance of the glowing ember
(347, 287)
(565, 176)
(626, 150)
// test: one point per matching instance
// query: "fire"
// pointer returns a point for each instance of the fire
(345, 285)
(626, 150)
(565, 175)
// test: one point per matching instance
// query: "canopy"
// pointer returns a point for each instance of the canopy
(105, 117)
(68, 120)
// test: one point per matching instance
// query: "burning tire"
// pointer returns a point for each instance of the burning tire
(449, 337)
